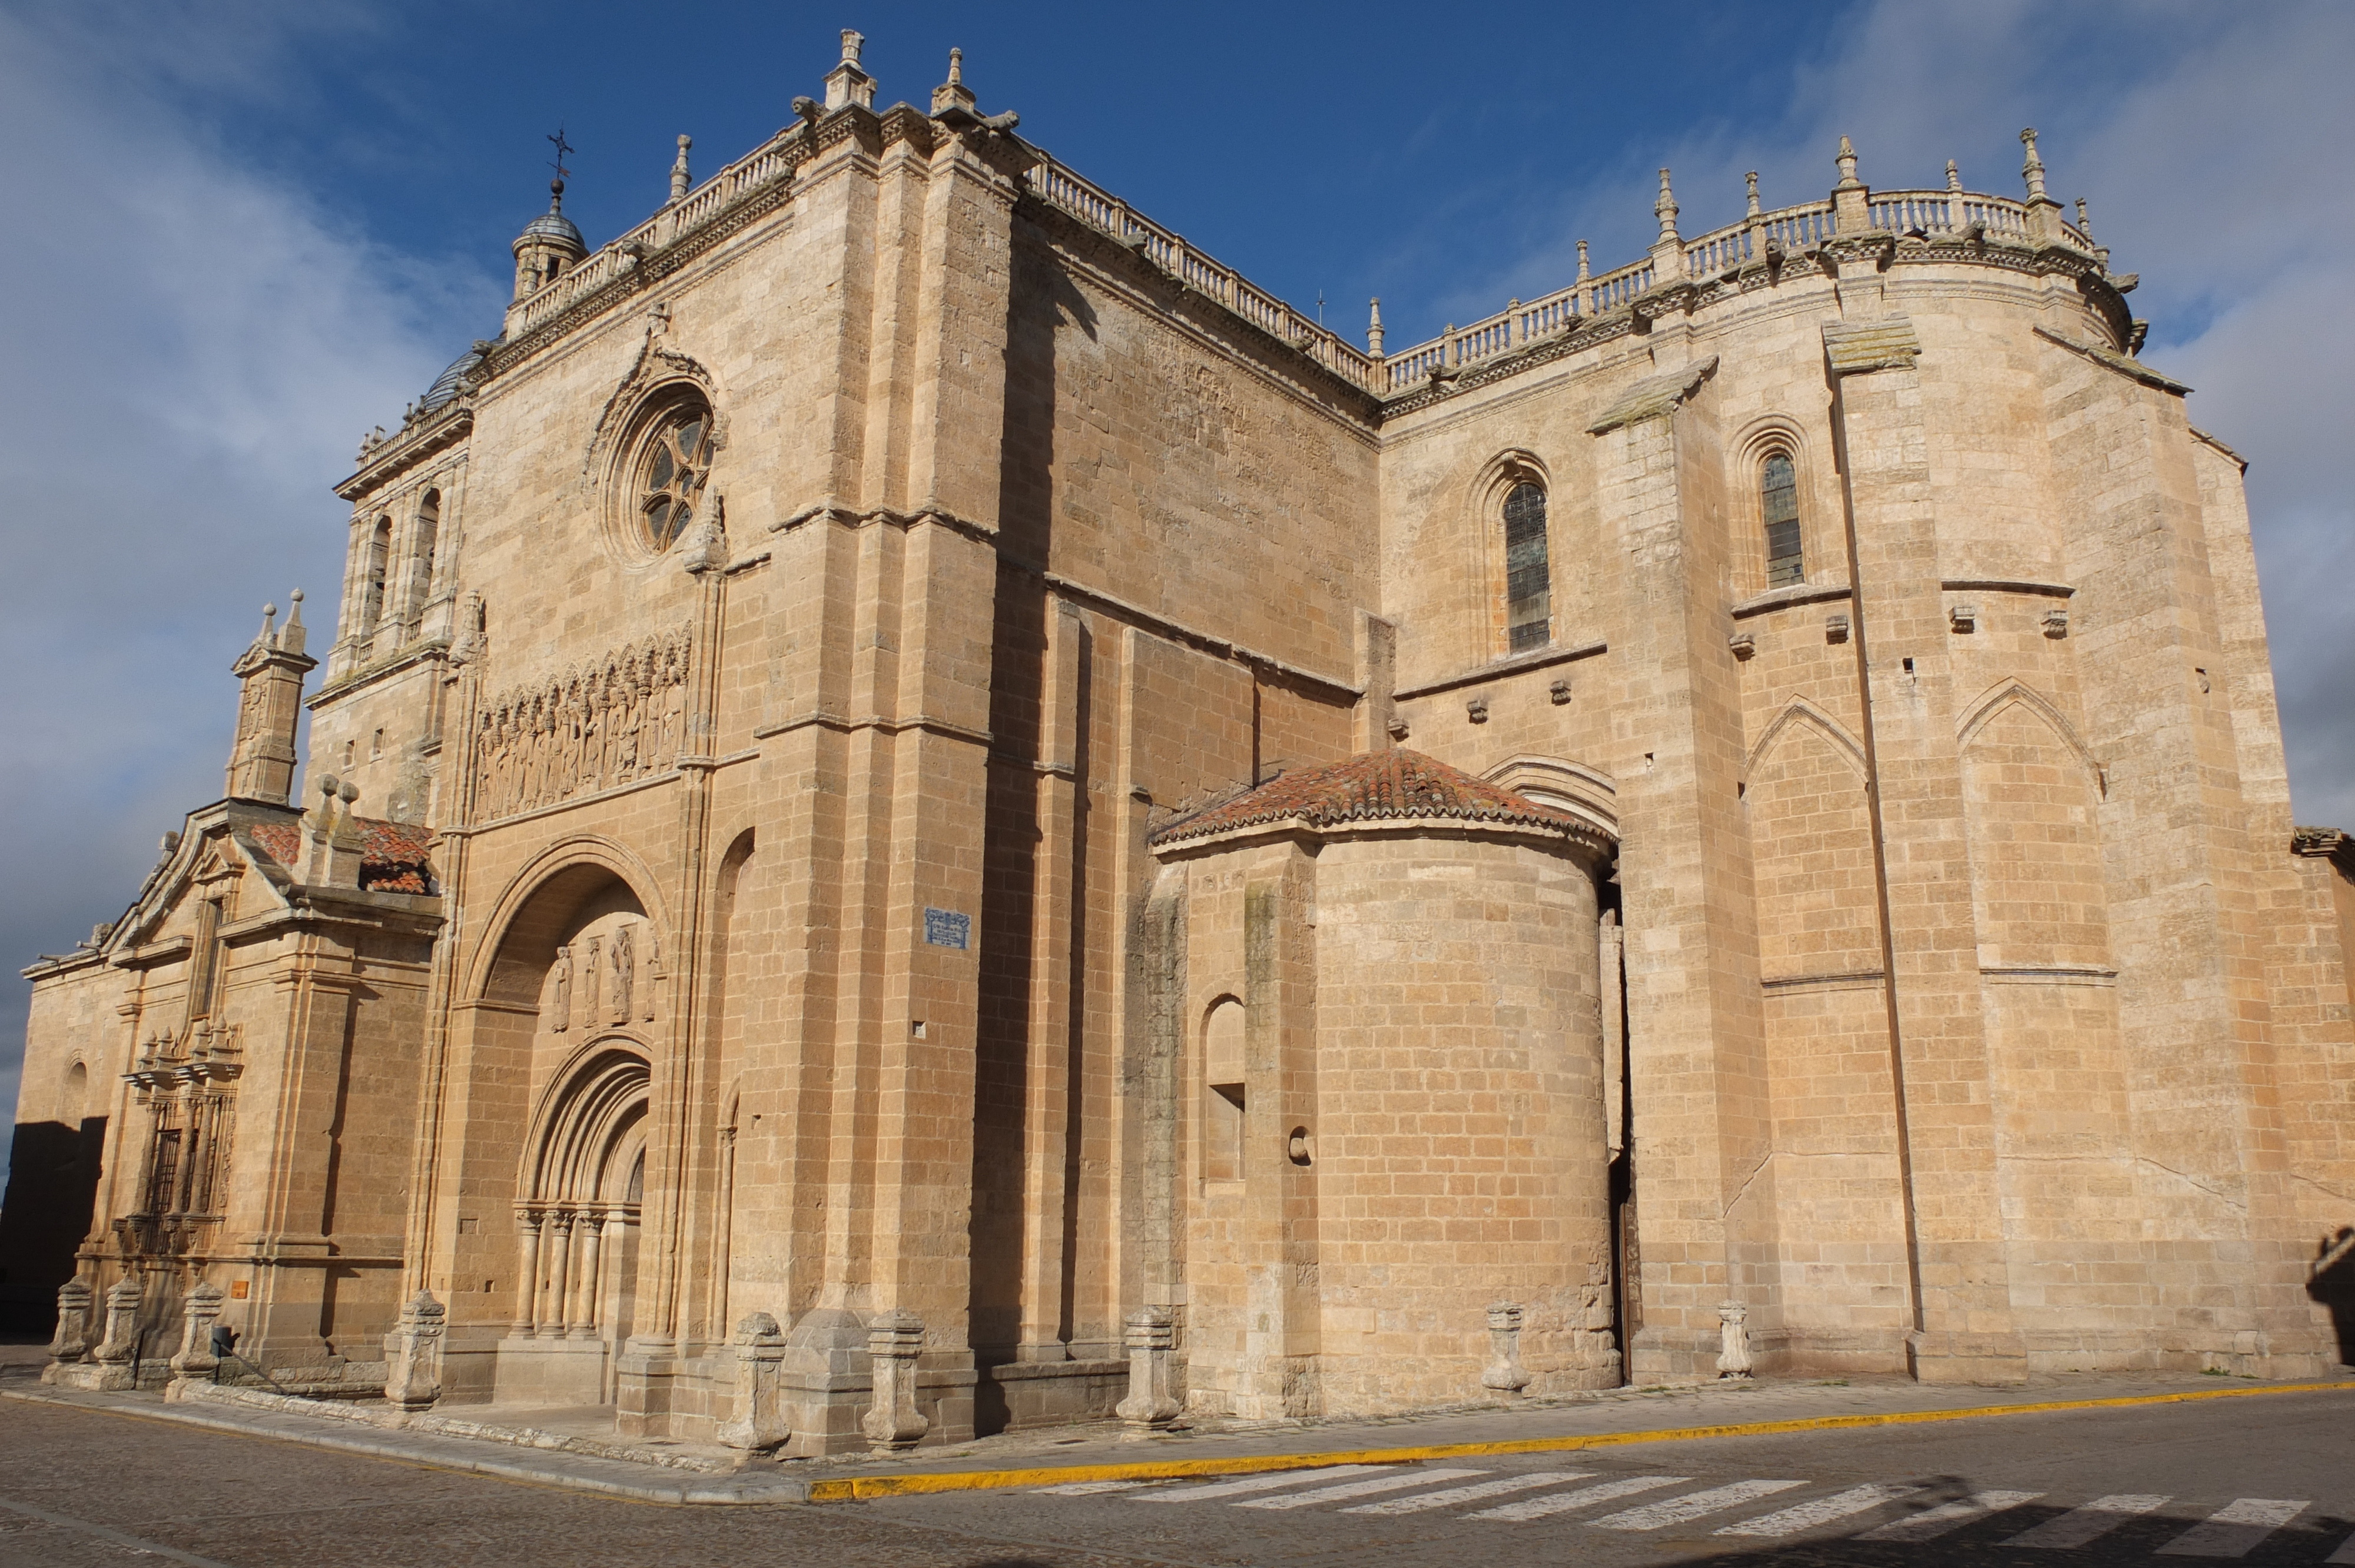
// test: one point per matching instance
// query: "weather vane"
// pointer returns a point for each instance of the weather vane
(562, 147)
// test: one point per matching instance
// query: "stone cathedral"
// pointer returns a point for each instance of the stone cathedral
(927, 813)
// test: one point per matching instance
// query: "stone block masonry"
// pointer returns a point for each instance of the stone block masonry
(929, 814)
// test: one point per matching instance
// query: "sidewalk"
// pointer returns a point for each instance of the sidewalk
(562, 1448)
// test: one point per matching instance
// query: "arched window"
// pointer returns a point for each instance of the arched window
(372, 570)
(1528, 582)
(421, 554)
(1779, 495)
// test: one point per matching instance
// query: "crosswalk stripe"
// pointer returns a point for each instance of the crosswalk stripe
(2234, 1529)
(1692, 1505)
(1256, 1484)
(1822, 1510)
(1359, 1489)
(2346, 1553)
(1090, 1489)
(2080, 1525)
(1932, 1523)
(1584, 1497)
(1453, 1495)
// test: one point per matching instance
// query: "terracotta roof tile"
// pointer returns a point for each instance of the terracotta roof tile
(1369, 787)
(393, 855)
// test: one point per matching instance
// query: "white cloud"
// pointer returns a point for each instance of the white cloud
(192, 350)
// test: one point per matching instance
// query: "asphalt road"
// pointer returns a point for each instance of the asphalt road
(2262, 1481)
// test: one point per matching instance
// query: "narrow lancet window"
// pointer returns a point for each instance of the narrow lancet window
(1528, 587)
(1778, 487)
(379, 550)
(421, 562)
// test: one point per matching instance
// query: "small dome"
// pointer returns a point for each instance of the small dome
(552, 227)
(1393, 783)
(445, 385)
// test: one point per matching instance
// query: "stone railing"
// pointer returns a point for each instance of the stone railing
(1059, 186)
(1517, 324)
(1791, 229)
(764, 166)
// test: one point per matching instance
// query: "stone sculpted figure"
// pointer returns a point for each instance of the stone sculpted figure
(561, 1002)
(625, 959)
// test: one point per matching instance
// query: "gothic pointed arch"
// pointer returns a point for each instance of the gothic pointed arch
(1799, 711)
(2013, 691)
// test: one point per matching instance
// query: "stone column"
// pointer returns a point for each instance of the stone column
(584, 1287)
(1151, 1338)
(72, 1341)
(894, 1340)
(755, 1427)
(122, 1342)
(200, 1310)
(549, 1323)
(413, 1354)
(1505, 1373)
(527, 1276)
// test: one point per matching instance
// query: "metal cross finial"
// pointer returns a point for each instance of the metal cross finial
(562, 147)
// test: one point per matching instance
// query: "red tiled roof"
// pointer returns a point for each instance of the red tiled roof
(1369, 787)
(393, 857)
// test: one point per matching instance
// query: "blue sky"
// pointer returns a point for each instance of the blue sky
(249, 231)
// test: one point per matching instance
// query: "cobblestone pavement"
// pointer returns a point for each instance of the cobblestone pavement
(83, 1490)
(2265, 1481)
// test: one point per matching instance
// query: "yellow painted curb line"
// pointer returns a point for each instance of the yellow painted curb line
(858, 1487)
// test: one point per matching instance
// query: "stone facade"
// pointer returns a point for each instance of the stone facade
(931, 813)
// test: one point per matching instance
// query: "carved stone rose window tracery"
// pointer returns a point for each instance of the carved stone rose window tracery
(675, 461)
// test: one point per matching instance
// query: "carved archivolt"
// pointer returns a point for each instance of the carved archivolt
(619, 718)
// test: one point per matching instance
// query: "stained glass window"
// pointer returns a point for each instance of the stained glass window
(677, 459)
(1778, 489)
(1529, 584)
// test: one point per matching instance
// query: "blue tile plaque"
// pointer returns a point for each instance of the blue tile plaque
(947, 928)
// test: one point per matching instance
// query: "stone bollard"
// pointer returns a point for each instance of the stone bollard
(1733, 1340)
(121, 1342)
(894, 1340)
(757, 1425)
(71, 1341)
(1505, 1372)
(199, 1310)
(413, 1379)
(1152, 1336)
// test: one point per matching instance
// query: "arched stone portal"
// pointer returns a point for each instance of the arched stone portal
(577, 1218)
(550, 1118)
